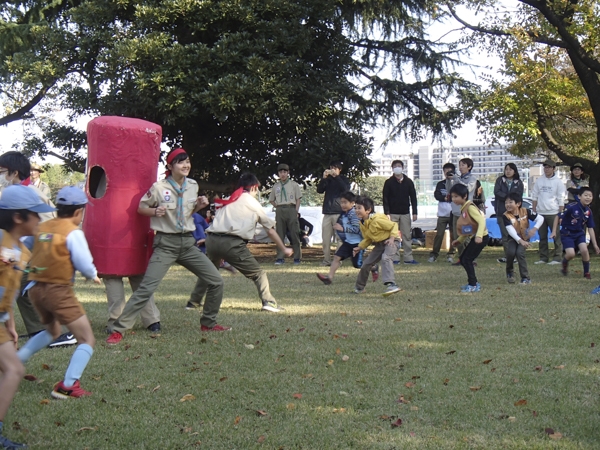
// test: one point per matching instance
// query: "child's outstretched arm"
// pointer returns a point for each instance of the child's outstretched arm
(81, 255)
(275, 238)
(593, 240)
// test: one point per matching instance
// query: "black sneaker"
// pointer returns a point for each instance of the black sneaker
(155, 327)
(7, 443)
(63, 340)
(501, 260)
(189, 306)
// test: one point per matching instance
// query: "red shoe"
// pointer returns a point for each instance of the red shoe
(324, 278)
(62, 392)
(114, 338)
(215, 328)
(587, 275)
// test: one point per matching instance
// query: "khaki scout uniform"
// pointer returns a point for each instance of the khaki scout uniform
(226, 238)
(285, 195)
(173, 244)
(13, 256)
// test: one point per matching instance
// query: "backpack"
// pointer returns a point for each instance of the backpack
(417, 233)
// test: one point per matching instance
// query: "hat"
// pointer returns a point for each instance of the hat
(549, 162)
(71, 195)
(283, 167)
(18, 196)
(37, 167)
(574, 166)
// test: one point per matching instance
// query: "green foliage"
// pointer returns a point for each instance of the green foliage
(57, 177)
(241, 85)
(372, 187)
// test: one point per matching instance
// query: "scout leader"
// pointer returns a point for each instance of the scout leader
(170, 204)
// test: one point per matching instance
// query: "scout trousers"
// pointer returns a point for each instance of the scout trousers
(382, 252)
(327, 233)
(170, 249)
(115, 295)
(404, 225)
(233, 249)
(286, 219)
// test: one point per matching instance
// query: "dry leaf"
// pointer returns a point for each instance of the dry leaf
(290, 406)
(512, 419)
(330, 362)
(446, 381)
(261, 439)
(237, 420)
(87, 429)
(539, 368)
(29, 377)
(156, 388)
(535, 414)
(542, 320)
(307, 375)
(297, 396)
(559, 367)
(45, 402)
(260, 412)
(414, 408)
(398, 319)
(46, 367)
(549, 431)
(397, 423)
(222, 378)
(345, 358)
(451, 352)
(521, 402)
(475, 388)
(338, 351)
(249, 346)
(487, 361)
(409, 385)
(187, 397)
(515, 380)
(141, 386)
(555, 436)
(339, 410)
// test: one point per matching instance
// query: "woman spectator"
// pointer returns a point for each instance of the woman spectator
(506, 184)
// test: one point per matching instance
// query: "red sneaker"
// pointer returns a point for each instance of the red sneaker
(114, 338)
(215, 328)
(587, 275)
(62, 392)
(324, 278)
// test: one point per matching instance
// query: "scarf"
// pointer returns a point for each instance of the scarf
(283, 193)
(179, 192)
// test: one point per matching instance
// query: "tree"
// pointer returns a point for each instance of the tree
(550, 96)
(57, 177)
(242, 85)
(372, 187)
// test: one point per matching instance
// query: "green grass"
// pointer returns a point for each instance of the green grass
(542, 340)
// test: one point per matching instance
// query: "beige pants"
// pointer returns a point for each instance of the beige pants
(115, 295)
(327, 232)
(404, 225)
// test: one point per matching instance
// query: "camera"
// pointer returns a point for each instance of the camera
(450, 174)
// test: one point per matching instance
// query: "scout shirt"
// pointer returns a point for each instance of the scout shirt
(517, 225)
(377, 228)
(162, 194)
(240, 217)
(576, 218)
(13, 259)
(285, 193)
(469, 209)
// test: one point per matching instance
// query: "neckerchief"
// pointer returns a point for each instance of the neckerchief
(179, 192)
(283, 193)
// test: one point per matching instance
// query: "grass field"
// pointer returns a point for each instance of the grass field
(428, 368)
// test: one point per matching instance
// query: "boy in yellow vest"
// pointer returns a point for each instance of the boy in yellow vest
(516, 220)
(19, 208)
(59, 249)
(470, 223)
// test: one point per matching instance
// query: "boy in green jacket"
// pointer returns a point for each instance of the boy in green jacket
(380, 231)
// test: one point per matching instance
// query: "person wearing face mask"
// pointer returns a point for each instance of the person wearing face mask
(15, 168)
(233, 226)
(399, 197)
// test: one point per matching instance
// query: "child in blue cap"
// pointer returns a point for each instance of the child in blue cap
(19, 209)
(59, 249)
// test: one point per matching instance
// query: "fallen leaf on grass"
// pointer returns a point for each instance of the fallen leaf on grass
(397, 423)
(515, 380)
(446, 381)
(475, 388)
(156, 388)
(535, 414)
(297, 396)
(249, 346)
(45, 402)
(521, 402)
(512, 419)
(487, 361)
(261, 439)
(187, 397)
(338, 351)
(154, 336)
(409, 385)
(290, 406)
(451, 352)
(307, 375)
(222, 379)
(402, 400)
(555, 436)
(237, 420)
(398, 319)
(46, 367)
(339, 410)
(87, 429)
(260, 412)
(414, 408)
(330, 362)
(16, 426)
(345, 358)
(538, 368)
(559, 367)
(29, 377)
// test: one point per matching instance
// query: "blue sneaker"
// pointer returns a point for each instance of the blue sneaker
(279, 262)
(296, 261)
(596, 291)
(528, 281)
(411, 262)
(469, 288)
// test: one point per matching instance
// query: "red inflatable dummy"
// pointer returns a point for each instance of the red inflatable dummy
(122, 164)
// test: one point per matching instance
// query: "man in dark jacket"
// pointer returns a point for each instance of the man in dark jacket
(399, 195)
(333, 185)
(444, 215)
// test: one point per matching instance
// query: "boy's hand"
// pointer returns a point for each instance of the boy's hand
(200, 241)
(14, 336)
(390, 242)
(478, 240)
(96, 280)
(524, 243)
(414, 218)
(160, 211)
(202, 202)
(531, 232)
(552, 235)
(338, 227)
(597, 249)
(355, 251)
(288, 251)
(455, 243)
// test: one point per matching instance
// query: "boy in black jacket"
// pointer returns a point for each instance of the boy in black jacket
(444, 215)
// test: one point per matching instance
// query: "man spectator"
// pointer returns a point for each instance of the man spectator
(285, 197)
(333, 185)
(36, 180)
(467, 178)
(444, 215)
(548, 201)
(399, 197)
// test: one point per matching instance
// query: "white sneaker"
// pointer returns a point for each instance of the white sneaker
(540, 262)
(391, 289)
(553, 263)
(450, 259)
(431, 259)
(271, 307)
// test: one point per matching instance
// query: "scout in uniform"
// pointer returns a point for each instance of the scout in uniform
(285, 197)
(170, 204)
(19, 208)
(60, 248)
(233, 226)
(37, 181)
(574, 220)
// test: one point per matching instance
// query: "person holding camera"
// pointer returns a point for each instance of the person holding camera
(333, 185)
(444, 215)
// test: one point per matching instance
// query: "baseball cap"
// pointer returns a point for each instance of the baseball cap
(283, 167)
(549, 162)
(71, 195)
(18, 196)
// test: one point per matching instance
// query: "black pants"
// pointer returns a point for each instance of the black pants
(469, 254)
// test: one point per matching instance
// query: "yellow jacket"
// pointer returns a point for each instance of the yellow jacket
(377, 228)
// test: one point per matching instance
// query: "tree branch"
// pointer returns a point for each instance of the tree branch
(18, 115)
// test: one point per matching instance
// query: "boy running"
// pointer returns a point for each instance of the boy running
(348, 229)
(575, 218)
(380, 231)
(59, 250)
(19, 209)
